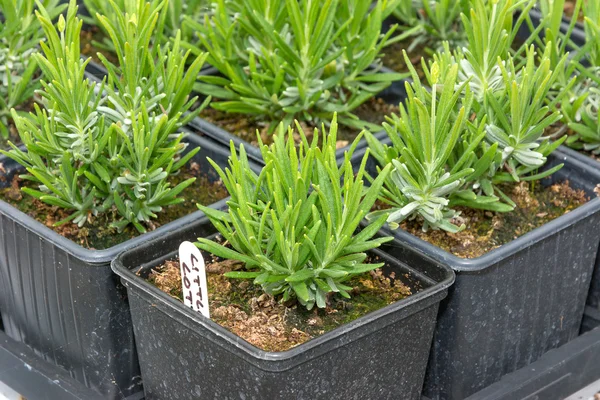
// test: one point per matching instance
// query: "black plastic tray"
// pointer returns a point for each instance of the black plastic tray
(381, 355)
(591, 319)
(63, 300)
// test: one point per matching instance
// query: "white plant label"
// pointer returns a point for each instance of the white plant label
(193, 278)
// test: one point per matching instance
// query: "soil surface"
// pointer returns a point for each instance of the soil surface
(245, 127)
(570, 8)
(90, 35)
(244, 309)
(394, 59)
(486, 230)
(97, 233)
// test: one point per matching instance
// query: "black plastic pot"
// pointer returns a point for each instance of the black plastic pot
(578, 37)
(591, 319)
(555, 376)
(394, 94)
(578, 34)
(515, 303)
(594, 296)
(63, 301)
(23, 371)
(379, 356)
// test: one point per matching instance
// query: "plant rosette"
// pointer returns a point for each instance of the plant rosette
(271, 70)
(280, 322)
(224, 128)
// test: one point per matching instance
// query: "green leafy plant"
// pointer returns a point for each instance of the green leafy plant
(431, 22)
(305, 60)
(491, 30)
(582, 108)
(293, 225)
(175, 11)
(448, 153)
(558, 41)
(111, 145)
(20, 34)
(433, 152)
(519, 116)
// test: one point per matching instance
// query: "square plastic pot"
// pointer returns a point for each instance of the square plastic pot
(593, 300)
(579, 38)
(591, 319)
(555, 376)
(381, 355)
(63, 300)
(577, 35)
(513, 304)
(394, 94)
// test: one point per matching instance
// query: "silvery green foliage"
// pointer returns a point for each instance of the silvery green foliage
(553, 35)
(491, 31)
(436, 154)
(516, 112)
(111, 145)
(295, 225)
(429, 23)
(20, 33)
(582, 110)
(518, 116)
(286, 60)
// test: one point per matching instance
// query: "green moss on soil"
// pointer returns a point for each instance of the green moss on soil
(244, 309)
(97, 233)
(485, 230)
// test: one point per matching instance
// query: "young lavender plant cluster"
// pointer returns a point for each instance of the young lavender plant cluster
(94, 147)
(585, 99)
(20, 33)
(293, 225)
(458, 140)
(579, 108)
(171, 18)
(305, 60)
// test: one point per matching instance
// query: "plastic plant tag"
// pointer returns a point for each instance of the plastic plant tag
(193, 278)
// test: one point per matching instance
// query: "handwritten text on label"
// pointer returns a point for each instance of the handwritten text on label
(193, 278)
